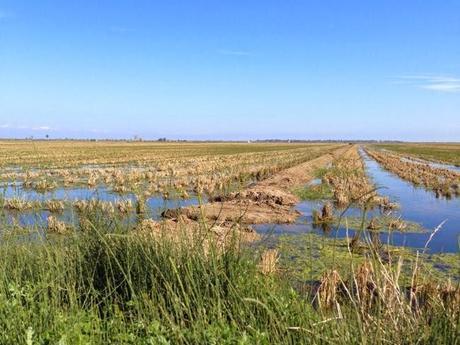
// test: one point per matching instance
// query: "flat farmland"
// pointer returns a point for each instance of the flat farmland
(437, 152)
(138, 242)
(73, 153)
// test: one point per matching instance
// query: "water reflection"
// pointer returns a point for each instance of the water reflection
(416, 205)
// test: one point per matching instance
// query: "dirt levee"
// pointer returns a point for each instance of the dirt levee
(269, 201)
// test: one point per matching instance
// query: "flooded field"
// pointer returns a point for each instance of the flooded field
(331, 192)
(443, 153)
(155, 204)
(416, 204)
(432, 164)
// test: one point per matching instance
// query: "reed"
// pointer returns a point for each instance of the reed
(106, 284)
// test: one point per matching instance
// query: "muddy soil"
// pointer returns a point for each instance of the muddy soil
(269, 201)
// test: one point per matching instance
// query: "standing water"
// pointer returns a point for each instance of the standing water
(416, 205)
(155, 204)
(432, 164)
(421, 206)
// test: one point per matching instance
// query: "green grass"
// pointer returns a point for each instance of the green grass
(107, 286)
(315, 192)
(321, 191)
(448, 153)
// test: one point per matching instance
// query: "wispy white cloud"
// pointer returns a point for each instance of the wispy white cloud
(440, 83)
(42, 128)
(22, 127)
(234, 52)
(444, 87)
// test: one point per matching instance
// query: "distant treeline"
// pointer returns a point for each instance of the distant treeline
(208, 141)
(324, 141)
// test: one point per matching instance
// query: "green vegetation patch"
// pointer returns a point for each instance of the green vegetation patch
(383, 223)
(314, 192)
(320, 172)
(306, 257)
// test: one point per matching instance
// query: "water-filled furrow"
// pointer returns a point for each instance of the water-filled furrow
(431, 164)
(416, 205)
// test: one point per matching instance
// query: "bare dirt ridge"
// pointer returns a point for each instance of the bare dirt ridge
(269, 201)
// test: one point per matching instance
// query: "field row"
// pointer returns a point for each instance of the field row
(444, 182)
(444, 153)
(151, 170)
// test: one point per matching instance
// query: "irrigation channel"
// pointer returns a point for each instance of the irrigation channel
(416, 205)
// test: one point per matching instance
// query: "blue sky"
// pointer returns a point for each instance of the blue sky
(230, 69)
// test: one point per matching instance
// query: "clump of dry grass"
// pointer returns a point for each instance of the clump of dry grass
(92, 205)
(44, 185)
(54, 205)
(384, 203)
(29, 178)
(376, 290)
(428, 295)
(269, 261)
(325, 216)
(57, 226)
(327, 293)
(124, 206)
(17, 204)
(92, 180)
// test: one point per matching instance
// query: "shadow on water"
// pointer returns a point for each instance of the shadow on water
(416, 205)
